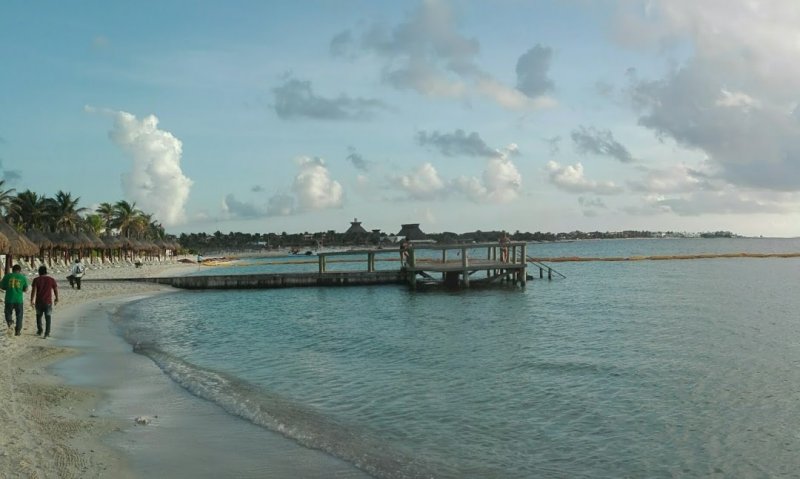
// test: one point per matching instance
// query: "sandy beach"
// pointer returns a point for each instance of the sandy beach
(49, 428)
(71, 402)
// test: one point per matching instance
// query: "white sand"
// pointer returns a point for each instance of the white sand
(80, 421)
(48, 429)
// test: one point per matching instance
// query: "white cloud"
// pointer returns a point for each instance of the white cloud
(155, 182)
(501, 179)
(571, 178)
(427, 53)
(733, 95)
(313, 186)
(423, 183)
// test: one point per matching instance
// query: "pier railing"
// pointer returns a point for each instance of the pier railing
(503, 260)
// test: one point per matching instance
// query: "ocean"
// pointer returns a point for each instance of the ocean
(679, 368)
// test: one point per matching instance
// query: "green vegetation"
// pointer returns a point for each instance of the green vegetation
(28, 211)
(234, 241)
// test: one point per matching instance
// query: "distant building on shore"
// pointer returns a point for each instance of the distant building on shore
(412, 232)
(355, 228)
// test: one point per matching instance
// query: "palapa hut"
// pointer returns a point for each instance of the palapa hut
(355, 228)
(44, 243)
(412, 232)
(18, 245)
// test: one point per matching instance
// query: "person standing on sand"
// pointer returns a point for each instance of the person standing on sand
(76, 273)
(15, 284)
(44, 294)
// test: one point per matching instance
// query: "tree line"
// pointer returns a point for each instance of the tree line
(28, 211)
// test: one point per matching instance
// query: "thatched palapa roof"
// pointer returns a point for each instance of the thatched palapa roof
(18, 243)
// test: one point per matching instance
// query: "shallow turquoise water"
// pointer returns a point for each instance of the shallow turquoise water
(627, 369)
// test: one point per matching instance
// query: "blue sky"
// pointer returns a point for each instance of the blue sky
(460, 115)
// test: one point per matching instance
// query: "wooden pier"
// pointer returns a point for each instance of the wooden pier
(456, 267)
(451, 266)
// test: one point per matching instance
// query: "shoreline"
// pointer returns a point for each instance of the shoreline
(49, 427)
(72, 402)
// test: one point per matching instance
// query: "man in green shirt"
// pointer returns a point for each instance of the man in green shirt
(15, 284)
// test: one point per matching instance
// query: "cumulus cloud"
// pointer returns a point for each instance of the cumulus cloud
(313, 186)
(427, 53)
(734, 96)
(156, 182)
(532, 71)
(456, 143)
(296, 99)
(423, 183)
(600, 142)
(571, 178)
(499, 183)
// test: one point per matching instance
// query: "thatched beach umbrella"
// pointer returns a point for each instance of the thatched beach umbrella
(67, 243)
(5, 244)
(18, 244)
(41, 240)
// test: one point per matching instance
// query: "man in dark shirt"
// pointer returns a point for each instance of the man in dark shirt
(43, 295)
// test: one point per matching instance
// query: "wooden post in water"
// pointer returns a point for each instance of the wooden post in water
(412, 263)
(465, 265)
(371, 262)
(444, 261)
(321, 260)
(522, 273)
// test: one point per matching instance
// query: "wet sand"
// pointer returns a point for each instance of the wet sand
(71, 402)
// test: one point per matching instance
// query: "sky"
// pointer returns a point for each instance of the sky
(460, 115)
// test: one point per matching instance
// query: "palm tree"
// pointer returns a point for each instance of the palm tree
(125, 215)
(106, 212)
(95, 224)
(64, 212)
(30, 211)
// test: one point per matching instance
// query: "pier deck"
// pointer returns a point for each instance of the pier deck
(430, 264)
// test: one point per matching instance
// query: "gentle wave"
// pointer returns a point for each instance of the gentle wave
(292, 420)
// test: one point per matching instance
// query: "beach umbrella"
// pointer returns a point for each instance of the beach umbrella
(95, 240)
(17, 244)
(40, 239)
(4, 242)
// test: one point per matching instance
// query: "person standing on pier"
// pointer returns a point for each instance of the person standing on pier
(504, 240)
(404, 247)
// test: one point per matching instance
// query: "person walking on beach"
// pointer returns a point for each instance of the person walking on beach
(44, 293)
(76, 273)
(15, 284)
